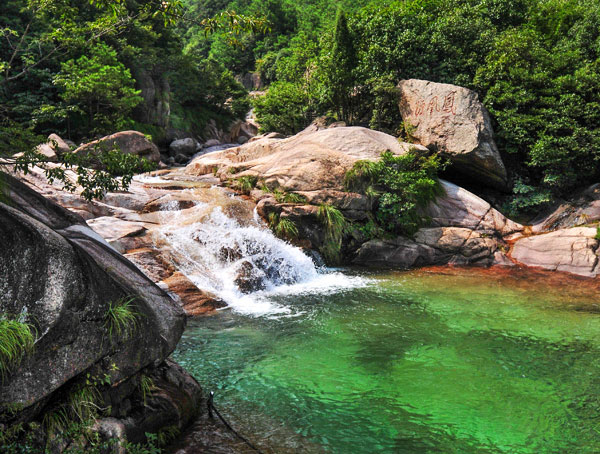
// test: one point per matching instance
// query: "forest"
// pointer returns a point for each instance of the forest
(84, 69)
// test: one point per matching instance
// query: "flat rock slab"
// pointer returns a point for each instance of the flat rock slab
(573, 250)
(451, 120)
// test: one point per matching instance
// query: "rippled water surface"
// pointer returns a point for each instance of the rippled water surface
(416, 362)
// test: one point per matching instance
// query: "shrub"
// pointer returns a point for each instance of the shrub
(284, 108)
(402, 185)
(16, 340)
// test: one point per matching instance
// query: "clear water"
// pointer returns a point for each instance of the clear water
(415, 362)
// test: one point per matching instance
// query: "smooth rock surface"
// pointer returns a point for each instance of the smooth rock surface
(63, 275)
(128, 142)
(573, 250)
(451, 120)
(308, 161)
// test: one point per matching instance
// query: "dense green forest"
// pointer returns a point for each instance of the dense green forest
(83, 69)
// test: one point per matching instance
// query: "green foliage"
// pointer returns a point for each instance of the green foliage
(244, 184)
(527, 199)
(17, 340)
(283, 227)
(336, 226)
(285, 108)
(402, 184)
(147, 387)
(98, 91)
(121, 319)
(287, 197)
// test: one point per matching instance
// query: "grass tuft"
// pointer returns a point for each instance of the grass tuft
(16, 341)
(335, 226)
(121, 318)
(244, 184)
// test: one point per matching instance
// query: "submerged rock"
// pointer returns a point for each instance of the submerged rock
(450, 120)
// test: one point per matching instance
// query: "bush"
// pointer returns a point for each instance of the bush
(402, 185)
(284, 108)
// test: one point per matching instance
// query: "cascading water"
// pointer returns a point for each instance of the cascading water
(222, 247)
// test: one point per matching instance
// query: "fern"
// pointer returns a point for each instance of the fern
(335, 226)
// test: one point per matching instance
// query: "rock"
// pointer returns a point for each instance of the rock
(149, 261)
(211, 143)
(63, 275)
(113, 229)
(309, 161)
(461, 208)
(581, 209)
(49, 152)
(242, 140)
(181, 158)
(247, 280)
(452, 121)
(573, 250)
(193, 300)
(128, 142)
(58, 145)
(431, 246)
(186, 147)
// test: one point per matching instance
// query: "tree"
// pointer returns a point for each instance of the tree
(340, 75)
(98, 90)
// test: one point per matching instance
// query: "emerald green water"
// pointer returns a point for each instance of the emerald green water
(415, 362)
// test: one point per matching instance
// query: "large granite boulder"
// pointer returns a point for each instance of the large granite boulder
(452, 121)
(62, 276)
(464, 230)
(128, 142)
(309, 161)
(573, 250)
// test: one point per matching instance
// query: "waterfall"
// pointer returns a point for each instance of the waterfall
(223, 247)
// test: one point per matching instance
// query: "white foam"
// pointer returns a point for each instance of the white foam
(213, 253)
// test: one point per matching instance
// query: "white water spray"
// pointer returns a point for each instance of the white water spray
(239, 259)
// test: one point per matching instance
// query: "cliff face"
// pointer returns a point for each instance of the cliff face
(64, 280)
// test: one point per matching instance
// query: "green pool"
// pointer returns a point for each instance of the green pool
(415, 362)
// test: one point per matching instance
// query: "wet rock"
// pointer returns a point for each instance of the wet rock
(150, 262)
(248, 280)
(431, 246)
(193, 300)
(451, 120)
(573, 250)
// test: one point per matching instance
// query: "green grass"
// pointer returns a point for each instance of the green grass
(16, 341)
(361, 172)
(244, 184)
(121, 318)
(288, 197)
(335, 226)
(147, 386)
(283, 227)
(597, 232)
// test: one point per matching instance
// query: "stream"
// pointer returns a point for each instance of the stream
(307, 359)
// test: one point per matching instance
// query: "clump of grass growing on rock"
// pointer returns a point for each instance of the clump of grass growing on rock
(121, 318)
(283, 227)
(244, 184)
(335, 226)
(17, 340)
(147, 386)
